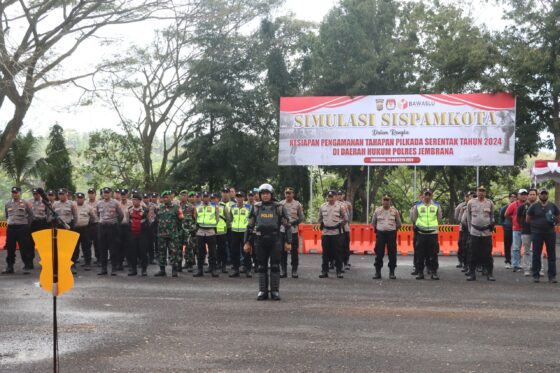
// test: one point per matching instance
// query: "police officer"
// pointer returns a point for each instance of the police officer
(222, 229)
(94, 225)
(207, 217)
(426, 216)
(346, 234)
(480, 220)
(332, 218)
(240, 220)
(68, 216)
(169, 216)
(124, 231)
(458, 215)
(189, 230)
(39, 217)
(263, 233)
(295, 211)
(85, 216)
(20, 216)
(386, 221)
(139, 229)
(110, 215)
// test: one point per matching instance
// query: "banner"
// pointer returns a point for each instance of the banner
(427, 129)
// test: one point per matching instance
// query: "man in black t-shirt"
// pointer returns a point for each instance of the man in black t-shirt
(543, 217)
(526, 231)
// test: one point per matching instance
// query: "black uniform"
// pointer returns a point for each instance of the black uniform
(265, 220)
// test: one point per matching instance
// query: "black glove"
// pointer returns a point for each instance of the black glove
(321, 226)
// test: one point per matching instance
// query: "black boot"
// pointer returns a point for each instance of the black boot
(199, 272)
(174, 271)
(73, 269)
(414, 272)
(263, 286)
(179, 268)
(214, 272)
(471, 276)
(392, 274)
(284, 272)
(132, 271)
(490, 276)
(324, 275)
(224, 267)
(235, 273)
(294, 272)
(161, 272)
(9, 270)
(103, 271)
(434, 276)
(377, 275)
(144, 272)
(420, 275)
(275, 285)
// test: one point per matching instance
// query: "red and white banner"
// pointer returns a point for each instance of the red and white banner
(428, 129)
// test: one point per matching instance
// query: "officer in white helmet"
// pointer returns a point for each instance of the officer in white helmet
(264, 236)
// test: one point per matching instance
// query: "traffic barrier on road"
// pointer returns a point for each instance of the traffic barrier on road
(362, 239)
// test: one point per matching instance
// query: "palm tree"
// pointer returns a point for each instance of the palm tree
(20, 161)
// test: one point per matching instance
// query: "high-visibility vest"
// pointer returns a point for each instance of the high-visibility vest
(427, 217)
(206, 216)
(222, 225)
(240, 218)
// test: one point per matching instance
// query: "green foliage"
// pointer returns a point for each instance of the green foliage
(56, 168)
(113, 160)
(19, 163)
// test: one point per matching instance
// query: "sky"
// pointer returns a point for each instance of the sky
(59, 104)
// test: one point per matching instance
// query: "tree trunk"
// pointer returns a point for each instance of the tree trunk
(354, 181)
(12, 128)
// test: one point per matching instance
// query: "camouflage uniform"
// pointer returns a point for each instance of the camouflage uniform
(188, 233)
(169, 230)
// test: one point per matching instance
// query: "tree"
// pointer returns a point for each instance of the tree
(56, 167)
(164, 79)
(113, 160)
(37, 37)
(363, 49)
(19, 163)
(532, 65)
(284, 45)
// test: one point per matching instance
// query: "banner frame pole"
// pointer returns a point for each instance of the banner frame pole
(367, 196)
(477, 176)
(310, 194)
(415, 186)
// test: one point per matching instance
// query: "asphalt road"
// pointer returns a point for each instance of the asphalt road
(123, 324)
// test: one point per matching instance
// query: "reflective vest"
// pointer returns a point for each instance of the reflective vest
(427, 217)
(222, 225)
(206, 216)
(240, 218)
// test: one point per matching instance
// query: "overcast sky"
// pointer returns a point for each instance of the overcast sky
(57, 104)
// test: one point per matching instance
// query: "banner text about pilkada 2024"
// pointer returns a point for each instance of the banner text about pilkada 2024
(429, 129)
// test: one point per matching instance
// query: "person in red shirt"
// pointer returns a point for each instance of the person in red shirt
(138, 243)
(511, 212)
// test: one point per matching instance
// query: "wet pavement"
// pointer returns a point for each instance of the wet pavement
(125, 324)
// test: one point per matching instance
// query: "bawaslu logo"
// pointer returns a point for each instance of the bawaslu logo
(403, 104)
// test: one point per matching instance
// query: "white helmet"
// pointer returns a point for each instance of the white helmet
(266, 188)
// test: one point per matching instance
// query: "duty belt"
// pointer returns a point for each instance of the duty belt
(425, 231)
(481, 229)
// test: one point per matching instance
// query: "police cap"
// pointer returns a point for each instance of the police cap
(16, 189)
